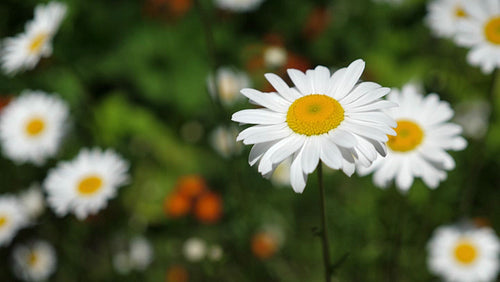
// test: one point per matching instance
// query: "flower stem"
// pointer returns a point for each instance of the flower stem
(324, 230)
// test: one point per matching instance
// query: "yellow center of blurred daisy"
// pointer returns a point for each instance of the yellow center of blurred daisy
(492, 30)
(460, 12)
(35, 126)
(3, 221)
(90, 185)
(409, 136)
(314, 114)
(465, 252)
(32, 259)
(37, 42)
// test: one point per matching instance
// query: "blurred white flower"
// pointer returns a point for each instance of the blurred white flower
(464, 254)
(12, 218)
(33, 201)
(275, 56)
(281, 175)
(138, 256)
(141, 253)
(121, 262)
(223, 140)
(23, 51)
(35, 261)
(194, 249)
(215, 253)
(229, 83)
(473, 116)
(419, 148)
(444, 15)
(480, 31)
(32, 126)
(84, 185)
(238, 5)
(331, 118)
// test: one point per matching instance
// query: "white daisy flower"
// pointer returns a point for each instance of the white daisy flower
(215, 253)
(25, 50)
(444, 15)
(334, 119)
(12, 218)
(229, 82)
(84, 185)
(194, 249)
(473, 116)
(423, 136)
(239, 6)
(275, 56)
(121, 262)
(32, 126)
(223, 140)
(480, 30)
(141, 253)
(35, 261)
(464, 254)
(33, 201)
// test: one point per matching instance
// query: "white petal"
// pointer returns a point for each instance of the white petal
(269, 100)
(264, 133)
(351, 77)
(282, 88)
(297, 177)
(330, 154)
(342, 138)
(257, 151)
(259, 116)
(301, 82)
(310, 156)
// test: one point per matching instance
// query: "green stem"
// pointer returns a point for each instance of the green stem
(324, 230)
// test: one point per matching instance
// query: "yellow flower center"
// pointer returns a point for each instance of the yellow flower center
(90, 185)
(37, 42)
(35, 127)
(3, 221)
(465, 252)
(314, 114)
(492, 30)
(460, 12)
(409, 136)
(32, 259)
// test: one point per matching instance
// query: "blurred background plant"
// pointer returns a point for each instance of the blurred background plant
(136, 74)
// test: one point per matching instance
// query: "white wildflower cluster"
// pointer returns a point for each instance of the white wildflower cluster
(138, 256)
(32, 128)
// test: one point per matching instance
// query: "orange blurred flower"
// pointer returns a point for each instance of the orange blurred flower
(167, 9)
(317, 23)
(176, 205)
(177, 273)
(208, 208)
(191, 186)
(264, 245)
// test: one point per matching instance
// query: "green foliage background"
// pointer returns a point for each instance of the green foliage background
(132, 81)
